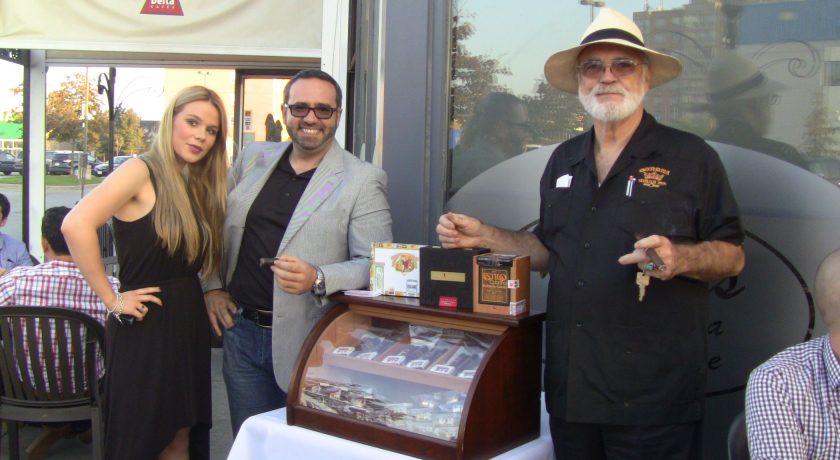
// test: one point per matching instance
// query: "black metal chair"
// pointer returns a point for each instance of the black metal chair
(737, 439)
(112, 266)
(42, 384)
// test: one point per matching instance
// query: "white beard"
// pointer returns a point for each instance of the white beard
(610, 111)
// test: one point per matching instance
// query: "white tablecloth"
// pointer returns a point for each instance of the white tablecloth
(267, 436)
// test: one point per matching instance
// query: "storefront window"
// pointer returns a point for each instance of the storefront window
(501, 105)
(76, 94)
(760, 83)
(11, 141)
(832, 73)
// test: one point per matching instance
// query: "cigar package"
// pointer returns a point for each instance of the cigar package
(446, 276)
(395, 269)
(502, 284)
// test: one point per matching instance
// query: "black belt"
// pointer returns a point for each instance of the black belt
(263, 318)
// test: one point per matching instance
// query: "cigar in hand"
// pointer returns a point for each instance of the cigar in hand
(267, 261)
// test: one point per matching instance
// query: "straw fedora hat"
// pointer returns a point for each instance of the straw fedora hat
(733, 79)
(609, 27)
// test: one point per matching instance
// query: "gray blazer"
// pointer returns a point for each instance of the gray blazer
(342, 211)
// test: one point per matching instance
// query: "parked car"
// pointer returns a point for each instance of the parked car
(92, 162)
(827, 168)
(101, 170)
(7, 163)
(58, 162)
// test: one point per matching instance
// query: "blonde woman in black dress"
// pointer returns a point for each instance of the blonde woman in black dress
(168, 209)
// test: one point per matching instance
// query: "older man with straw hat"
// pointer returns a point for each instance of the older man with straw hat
(636, 220)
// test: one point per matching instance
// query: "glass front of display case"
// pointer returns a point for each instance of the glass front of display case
(399, 373)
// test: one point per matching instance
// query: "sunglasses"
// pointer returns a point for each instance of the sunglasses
(620, 67)
(322, 112)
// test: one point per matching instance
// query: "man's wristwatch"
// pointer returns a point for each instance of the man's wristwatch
(320, 287)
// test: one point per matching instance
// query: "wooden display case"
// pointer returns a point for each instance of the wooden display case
(418, 380)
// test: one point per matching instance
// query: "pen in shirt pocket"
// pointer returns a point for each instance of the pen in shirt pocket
(628, 191)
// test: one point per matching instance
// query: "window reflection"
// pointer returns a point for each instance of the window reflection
(497, 130)
(787, 44)
(263, 101)
(761, 83)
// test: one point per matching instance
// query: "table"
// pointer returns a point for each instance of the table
(267, 436)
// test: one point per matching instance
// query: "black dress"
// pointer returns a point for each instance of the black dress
(158, 369)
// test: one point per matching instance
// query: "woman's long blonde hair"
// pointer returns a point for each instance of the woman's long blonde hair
(200, 189)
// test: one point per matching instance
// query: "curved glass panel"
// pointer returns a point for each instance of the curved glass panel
(409, 376)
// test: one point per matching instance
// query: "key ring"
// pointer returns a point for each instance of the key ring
(652, 267)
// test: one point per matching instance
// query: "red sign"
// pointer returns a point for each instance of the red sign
(448, 302)
(170, 7)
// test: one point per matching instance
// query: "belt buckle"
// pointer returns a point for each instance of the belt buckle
(257, 317)
(260, 324)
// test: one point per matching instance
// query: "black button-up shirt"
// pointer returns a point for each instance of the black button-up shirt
(610, 357)
(252, 286)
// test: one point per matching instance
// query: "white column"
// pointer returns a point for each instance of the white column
(334, 48)
(36, 117)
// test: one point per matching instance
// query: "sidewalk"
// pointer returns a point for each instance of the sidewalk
(220, 435)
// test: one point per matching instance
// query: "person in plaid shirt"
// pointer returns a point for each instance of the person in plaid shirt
(55, 283)
(793, 400)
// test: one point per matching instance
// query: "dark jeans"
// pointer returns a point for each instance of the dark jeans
(249, 372)
(586, 441)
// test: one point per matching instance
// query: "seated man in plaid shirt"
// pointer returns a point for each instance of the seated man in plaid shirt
(55, 283)
(793, 398)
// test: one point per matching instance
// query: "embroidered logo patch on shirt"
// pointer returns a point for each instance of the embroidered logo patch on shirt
(653, 176)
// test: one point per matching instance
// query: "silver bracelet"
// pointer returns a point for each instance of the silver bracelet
(118, 308)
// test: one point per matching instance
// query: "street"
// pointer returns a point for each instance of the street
(55, 196)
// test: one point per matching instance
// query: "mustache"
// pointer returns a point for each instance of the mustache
(603, 89)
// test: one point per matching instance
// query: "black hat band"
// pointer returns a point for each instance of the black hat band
(606, 34)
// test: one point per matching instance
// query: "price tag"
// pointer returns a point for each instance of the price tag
(394, 359)
(344, 350)
(417, 364)
(369, 355)
(442, 369)
(467, 374)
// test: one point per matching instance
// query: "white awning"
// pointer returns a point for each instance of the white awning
(229, 28)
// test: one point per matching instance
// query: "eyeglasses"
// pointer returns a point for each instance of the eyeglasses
(322, 112)
(620, 67)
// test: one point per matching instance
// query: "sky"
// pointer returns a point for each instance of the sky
(522, 38)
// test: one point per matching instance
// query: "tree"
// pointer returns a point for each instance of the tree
(15, 115)
(65, 109)
(820, 131)
(128, 133)
(555, 116)
(473, 76)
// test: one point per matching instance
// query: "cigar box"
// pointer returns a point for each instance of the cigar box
(395, 269)
(446, 276)
(502, 284)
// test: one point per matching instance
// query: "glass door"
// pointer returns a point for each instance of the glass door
(258, 115)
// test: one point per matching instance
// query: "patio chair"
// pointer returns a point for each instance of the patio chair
(70, 391)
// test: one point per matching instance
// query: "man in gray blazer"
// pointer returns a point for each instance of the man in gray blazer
(314, 209)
